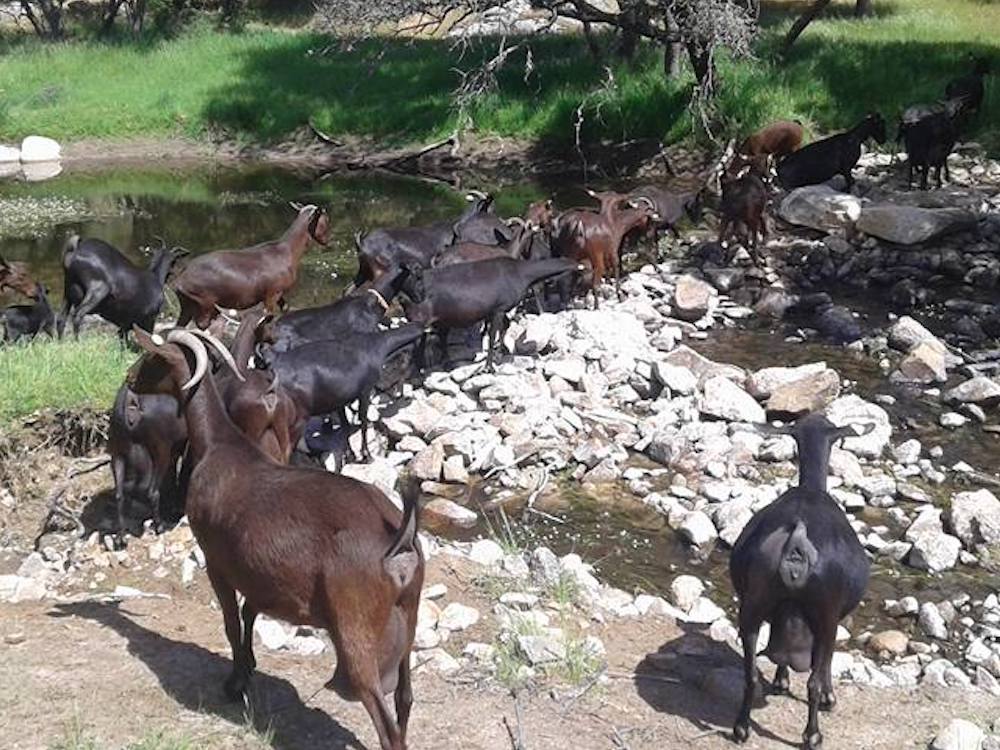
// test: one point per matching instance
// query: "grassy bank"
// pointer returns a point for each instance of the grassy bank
(264, 84)
(60, 375)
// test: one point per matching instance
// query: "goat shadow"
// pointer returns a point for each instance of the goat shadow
(700, 680)
(193, 677)
(101, 513)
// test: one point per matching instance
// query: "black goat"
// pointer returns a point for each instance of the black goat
(930, 140)
(146, 437)
(469, 293)
(99, 279)
(970, 88)
(360, 311)
(384, 249)
(326, 376)
(27, 321)
(670, 208)
(838, 154)
(798, 565)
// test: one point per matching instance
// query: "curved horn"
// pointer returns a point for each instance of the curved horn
(227, 357)
(359, 237)
(228, 314)
(471, 194)
(190, 341)
(649, 201)
(297, 206)
(516, 221)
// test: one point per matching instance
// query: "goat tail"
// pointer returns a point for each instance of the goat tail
(406, 537)
(798, 558)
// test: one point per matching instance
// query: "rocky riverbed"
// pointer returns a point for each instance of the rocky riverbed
(638, 400)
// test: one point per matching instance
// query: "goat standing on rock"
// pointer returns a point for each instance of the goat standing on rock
(302, 545)
(824, 159)
(798, 565)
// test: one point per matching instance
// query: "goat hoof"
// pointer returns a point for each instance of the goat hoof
(235, 688)
(812, 741)
(741, 733)
(827, 701)
(119, 543)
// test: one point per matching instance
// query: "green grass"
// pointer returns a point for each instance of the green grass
(264, 84)
(60, 374)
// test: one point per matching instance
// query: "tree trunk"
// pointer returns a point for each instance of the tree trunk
(702, 65)
(592, 45)
(804, 20)
(138, 16)
(110, 16)
(672, 52)
(863, 9)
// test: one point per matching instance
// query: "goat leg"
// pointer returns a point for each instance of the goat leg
(122, 500)
(345, 425)
(235, 684)
(824, 635)
(749, 628)
(95, 296)
(780, 685)
(249, 616)
(363, 402)
(404, 697)
(492, 326)
(154, 504)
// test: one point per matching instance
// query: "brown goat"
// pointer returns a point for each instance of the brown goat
(776, 140)
(744, 203)
(241, 278)
(597, 237)
(517, 247)
(15, 277)
(302, 545)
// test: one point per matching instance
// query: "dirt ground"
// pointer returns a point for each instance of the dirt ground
(112, 672)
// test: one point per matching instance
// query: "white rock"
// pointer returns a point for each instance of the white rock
(486, 552)
(685, 591)
(697, 529)
(762, 383)
(959, 735)
(437, 659)
(820, 207)
(908, 225)
(854, 410)
(273, 634)
(37, 148)
(678, 380)
(9, 154)
(723, 399)
(975, 517)
(704, 611)
(907, 453)
(931, 622)
(451, 512)
(935, 552)
(978, 390)
(458, 617)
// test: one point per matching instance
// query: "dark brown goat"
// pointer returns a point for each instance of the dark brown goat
(597, 237)
(240, 279)
(744, 204)
(333, 553)
(517, 247)
(779, 139)
(15, 277)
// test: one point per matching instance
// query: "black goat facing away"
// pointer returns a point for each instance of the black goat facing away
(360, 311)
(27, 321)
(970, 87)
(99, 279)
(821, 160)
(798, 565)
(930, 139)
(469, 293)
(146, 438)
(326, 376)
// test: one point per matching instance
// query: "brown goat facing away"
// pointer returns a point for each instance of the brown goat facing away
(300, 544)
(239, 279)
(15, 277)
(779, 139)
(744, 204)
(597, 237)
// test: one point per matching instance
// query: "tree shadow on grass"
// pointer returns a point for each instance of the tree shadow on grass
(192, 676)
(701, 681)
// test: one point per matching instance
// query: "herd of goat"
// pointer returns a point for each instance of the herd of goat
(217, 427)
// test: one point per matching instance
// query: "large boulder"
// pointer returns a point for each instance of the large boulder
(908, 225)
(934, 551)
(959, 735)
(763, 382)
(703, 367)
(9, 155)
(811, 393)
(36, 148)
(692, 298)
(854, 410)
(978, 390)
(925, 364)
(975, 517)
(723, 399)
(820, 207)
(906, 333)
